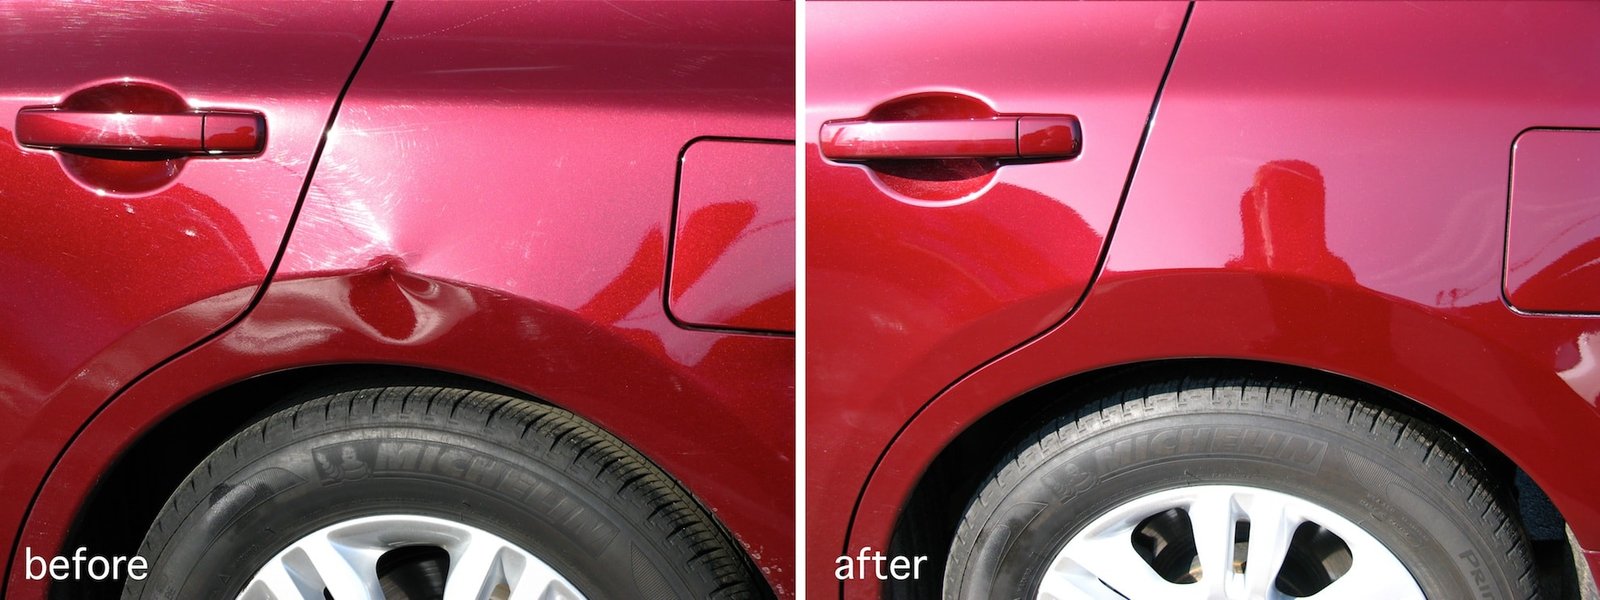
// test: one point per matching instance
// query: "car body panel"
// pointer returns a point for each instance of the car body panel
(906, 293)
(102, 286)
(1382, 262)
(1553, 238)
(494, 200)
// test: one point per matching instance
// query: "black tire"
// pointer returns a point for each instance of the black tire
(1413, 487)
(576, 497)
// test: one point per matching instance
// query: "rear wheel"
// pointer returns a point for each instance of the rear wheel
(415, 492)
(1200, 489)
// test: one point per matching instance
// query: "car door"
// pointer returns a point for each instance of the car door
(150, 166)
(964, 165)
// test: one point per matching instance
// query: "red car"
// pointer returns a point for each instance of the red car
(416, 300)
(1215, 300)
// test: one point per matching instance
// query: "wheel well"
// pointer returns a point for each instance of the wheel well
(130, 494)
(927, 523)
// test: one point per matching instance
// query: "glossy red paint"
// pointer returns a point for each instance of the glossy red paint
(1307, 196)
(101, 284)
(733, 236)
(1553, 240)
(920, 270)
(496, 202)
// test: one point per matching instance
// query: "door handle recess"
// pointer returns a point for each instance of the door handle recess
(191, 133)
(999, 137)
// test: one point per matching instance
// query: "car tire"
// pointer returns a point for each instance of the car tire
(536, 478)
(1412, 487)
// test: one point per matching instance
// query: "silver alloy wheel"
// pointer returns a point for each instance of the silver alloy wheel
(343, 560)
(1103, 561)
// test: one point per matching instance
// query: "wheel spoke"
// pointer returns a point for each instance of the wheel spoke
(1212, 517)
(274, 582)
(1271, 529)
(1108, 558)
(534, 580)
(474, 570)
(348, 573)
